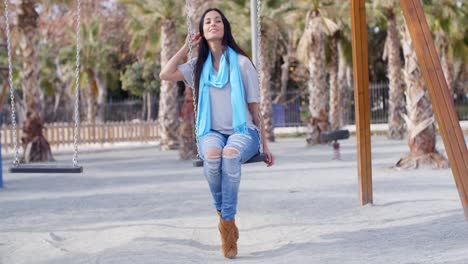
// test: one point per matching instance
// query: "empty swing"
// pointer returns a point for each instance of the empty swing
(260, 156)
(18, 167)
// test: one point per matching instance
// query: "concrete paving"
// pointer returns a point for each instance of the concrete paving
(143, 205)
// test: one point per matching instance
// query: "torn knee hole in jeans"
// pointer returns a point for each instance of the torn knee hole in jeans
(213, 154)
(231, 153)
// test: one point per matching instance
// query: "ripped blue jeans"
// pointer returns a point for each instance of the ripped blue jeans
(223, 173)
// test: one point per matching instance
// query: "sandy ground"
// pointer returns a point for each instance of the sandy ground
(142, 205)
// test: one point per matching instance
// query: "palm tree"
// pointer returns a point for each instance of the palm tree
(168, 122)
(312, 50)
(28, 27)
(460, 75)
(144, 29)
(273, 30)
(188, 147)
(287, 42)
(199, 6)
(334, 64)
(336, 59)
(339, 61)
(265, 85)
(447, 20)
(104, 49)
(95, 53)
(95, 56)
(187, 140)
(345, 74)
(161, 16)
(386, 11)
(289, 31)
(420, 117)
(272, 25)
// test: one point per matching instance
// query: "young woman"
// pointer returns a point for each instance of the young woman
(227, 126)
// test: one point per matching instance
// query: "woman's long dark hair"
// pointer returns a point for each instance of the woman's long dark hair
(203, 48)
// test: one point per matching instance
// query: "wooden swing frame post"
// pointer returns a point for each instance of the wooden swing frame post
(361, 99)
(439, 94)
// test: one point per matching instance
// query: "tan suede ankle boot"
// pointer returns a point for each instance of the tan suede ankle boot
(229, 237)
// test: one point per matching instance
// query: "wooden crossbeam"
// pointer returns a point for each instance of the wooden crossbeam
(361, 99)
(439, 94)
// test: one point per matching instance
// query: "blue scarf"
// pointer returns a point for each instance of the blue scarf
(226, 73)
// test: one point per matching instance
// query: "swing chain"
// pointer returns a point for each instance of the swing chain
(259, 72)
(77, 86)
(12, 96)
(10, 82)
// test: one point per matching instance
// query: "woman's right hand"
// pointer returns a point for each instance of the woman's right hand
(169, 71)
(196, 37)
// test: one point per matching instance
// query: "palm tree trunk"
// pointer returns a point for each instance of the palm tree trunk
(91, 96)
(444, 61)
(318, 96)
(167, 119)
(343, 89)
(102, 97)
(284, 78)
(458, 83)
(396, 124)
(265, 89)
(63, 101)
(187, 141)
(36, 147)
(149, 108)
(333, 78)
(198, 7)
(29, 40)
(188, 147)
(420, 117)
(281, 98)
(144, 104)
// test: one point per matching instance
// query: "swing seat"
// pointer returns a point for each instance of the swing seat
(259, 157)
(334, 135)
(45, 168)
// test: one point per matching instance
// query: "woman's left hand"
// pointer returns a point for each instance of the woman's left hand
(270, 158)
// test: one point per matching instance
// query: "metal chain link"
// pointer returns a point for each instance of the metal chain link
(10, 82)
(77, 86)
(259, 74)
(12, 97)
(192, 66)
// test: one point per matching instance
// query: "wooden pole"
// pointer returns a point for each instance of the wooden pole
(440, 96)
(361, 99)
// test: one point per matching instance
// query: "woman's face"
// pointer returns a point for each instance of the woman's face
(213, 26)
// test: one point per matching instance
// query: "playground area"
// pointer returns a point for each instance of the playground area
(138, 204)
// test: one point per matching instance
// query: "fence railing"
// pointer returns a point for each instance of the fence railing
(62, 133)
(295, 111)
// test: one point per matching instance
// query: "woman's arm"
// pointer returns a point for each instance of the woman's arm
(254, 109)
(169, 72)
